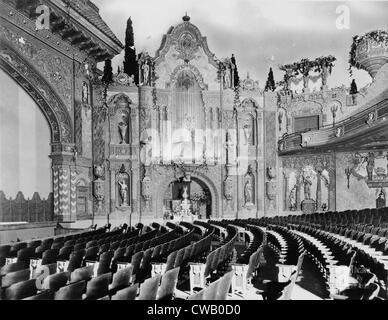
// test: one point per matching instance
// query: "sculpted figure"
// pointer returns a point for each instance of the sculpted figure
(370, 165)
(247, 133)
(292, 199)
(146, 70)
(123, 131)
(123, 191)
(248, 189)
(307, 187)
(85, 93)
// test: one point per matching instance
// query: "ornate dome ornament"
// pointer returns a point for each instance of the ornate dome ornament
(249, 84)
(186, 39)
(187, 46)
(124, 79)
(186, 18)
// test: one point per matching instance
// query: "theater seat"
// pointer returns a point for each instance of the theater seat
(73, 291)
(168, 284)
(45, 295)
(97, 287)
(21, 289)
(128, 293)
(149, 288)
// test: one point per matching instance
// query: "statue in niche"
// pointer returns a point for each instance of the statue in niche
(123, 188)
(292, 199)
(85, 93)
(248, 192)
(146, 71)
(307, 187)
(370, 165)
(227, 79)
(247, 133)
(123, 126)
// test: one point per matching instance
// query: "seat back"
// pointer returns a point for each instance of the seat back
(210, 292)
(91, 253)
(98, 286)
(25, 254)
(72, 291)
(135, 261)
(179, 257)
(149, 288)
(128, 293)
(21, 289)
(224, 286)
(171, 260)
(49, 256)
(34, 244)
(145, 262)
(122, 278)
(14, 277)
(83, 273)
(104, 262)
(45, 295)
(197, 296)
(75, 261)
(12, 267)
(55, 281)
(168, 284)
(90, 244)
(288, 289)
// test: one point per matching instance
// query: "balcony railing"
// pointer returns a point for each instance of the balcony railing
(333, 133)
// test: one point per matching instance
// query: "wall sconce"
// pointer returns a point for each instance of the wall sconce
(348, 173)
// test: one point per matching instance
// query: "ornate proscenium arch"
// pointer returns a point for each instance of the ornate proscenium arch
(40, 91)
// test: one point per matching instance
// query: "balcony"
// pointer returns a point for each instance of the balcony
(366, 129)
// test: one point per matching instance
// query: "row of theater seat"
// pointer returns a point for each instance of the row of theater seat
(105, 258)
(357, 239)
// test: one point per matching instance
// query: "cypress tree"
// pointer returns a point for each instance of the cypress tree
(130, 62)
(236, 78)
(107, 78)
(270, 84)
(353, 87)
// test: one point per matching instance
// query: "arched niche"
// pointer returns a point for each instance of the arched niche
(123, 189)
(120, 119)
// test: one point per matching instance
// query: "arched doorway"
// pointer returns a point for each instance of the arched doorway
(201, 192)
(197, 192)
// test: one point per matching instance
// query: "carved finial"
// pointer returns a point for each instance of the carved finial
(186, 18)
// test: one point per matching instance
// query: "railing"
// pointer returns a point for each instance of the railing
(30, 210)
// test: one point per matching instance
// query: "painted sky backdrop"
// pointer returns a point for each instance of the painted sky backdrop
(259, 33)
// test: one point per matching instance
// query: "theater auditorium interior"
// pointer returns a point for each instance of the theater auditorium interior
(170, 175)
